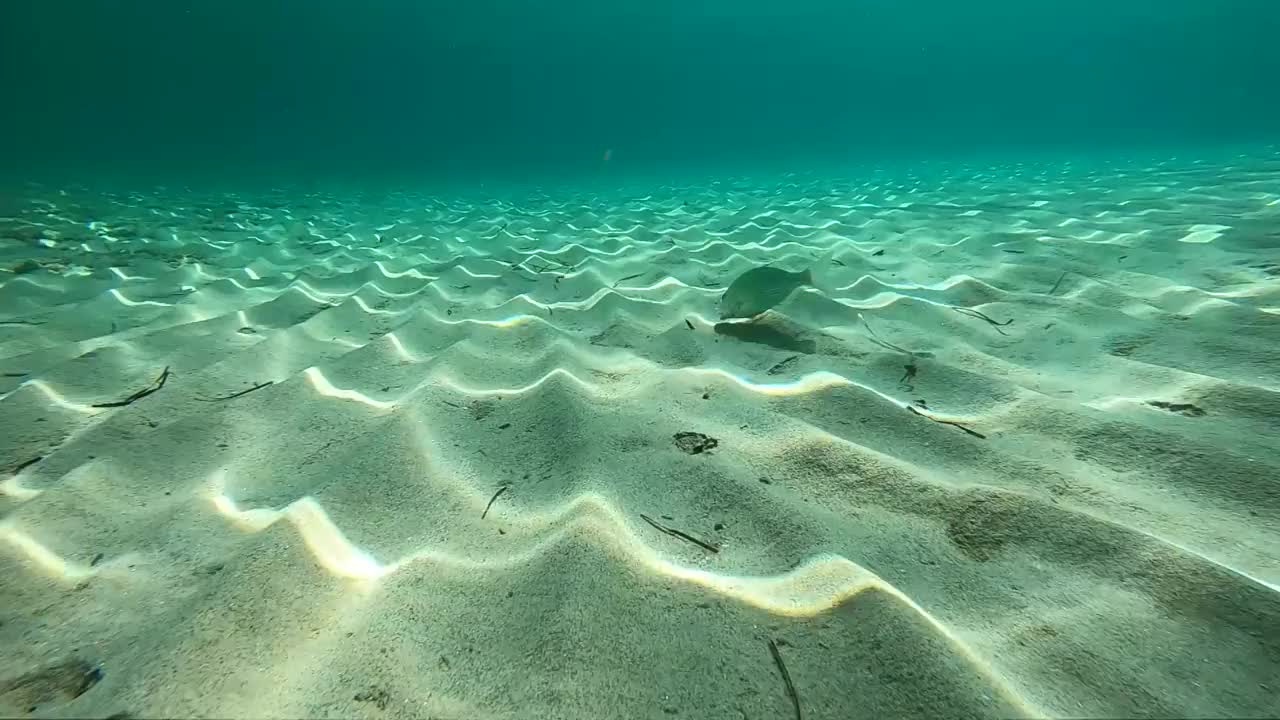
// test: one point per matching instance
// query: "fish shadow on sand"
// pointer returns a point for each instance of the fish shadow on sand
(771, 330)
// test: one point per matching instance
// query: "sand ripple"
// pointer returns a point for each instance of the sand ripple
(1014, 455)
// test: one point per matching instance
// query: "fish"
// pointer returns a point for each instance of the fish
(760, 289)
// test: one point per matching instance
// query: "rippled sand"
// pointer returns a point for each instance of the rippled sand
(1070, 507)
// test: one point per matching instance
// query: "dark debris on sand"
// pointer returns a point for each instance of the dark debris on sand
(51, 685)
(694, 443)
(376, 695)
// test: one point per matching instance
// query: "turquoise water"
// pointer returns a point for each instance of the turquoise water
(487, 90)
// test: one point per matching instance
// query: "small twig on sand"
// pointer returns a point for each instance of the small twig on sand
(974, 433)
(495, 497)
(24, 465)
(786, 677)
(981, 316)
(1060, 279)
(159, 383)
(232, 396)
(629, 277)
(683, 536)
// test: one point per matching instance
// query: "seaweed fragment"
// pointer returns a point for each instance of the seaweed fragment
(155, 386)
(619, 281)
(495, 497)
(786, 678)
(952, 423)
(26, 464)
(888, 345)
(1061, 277)
(678, 534)
(983, 316)
(232, 396)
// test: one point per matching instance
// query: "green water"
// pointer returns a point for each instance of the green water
(492, 90)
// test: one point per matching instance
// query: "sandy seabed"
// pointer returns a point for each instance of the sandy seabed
(315, 454)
